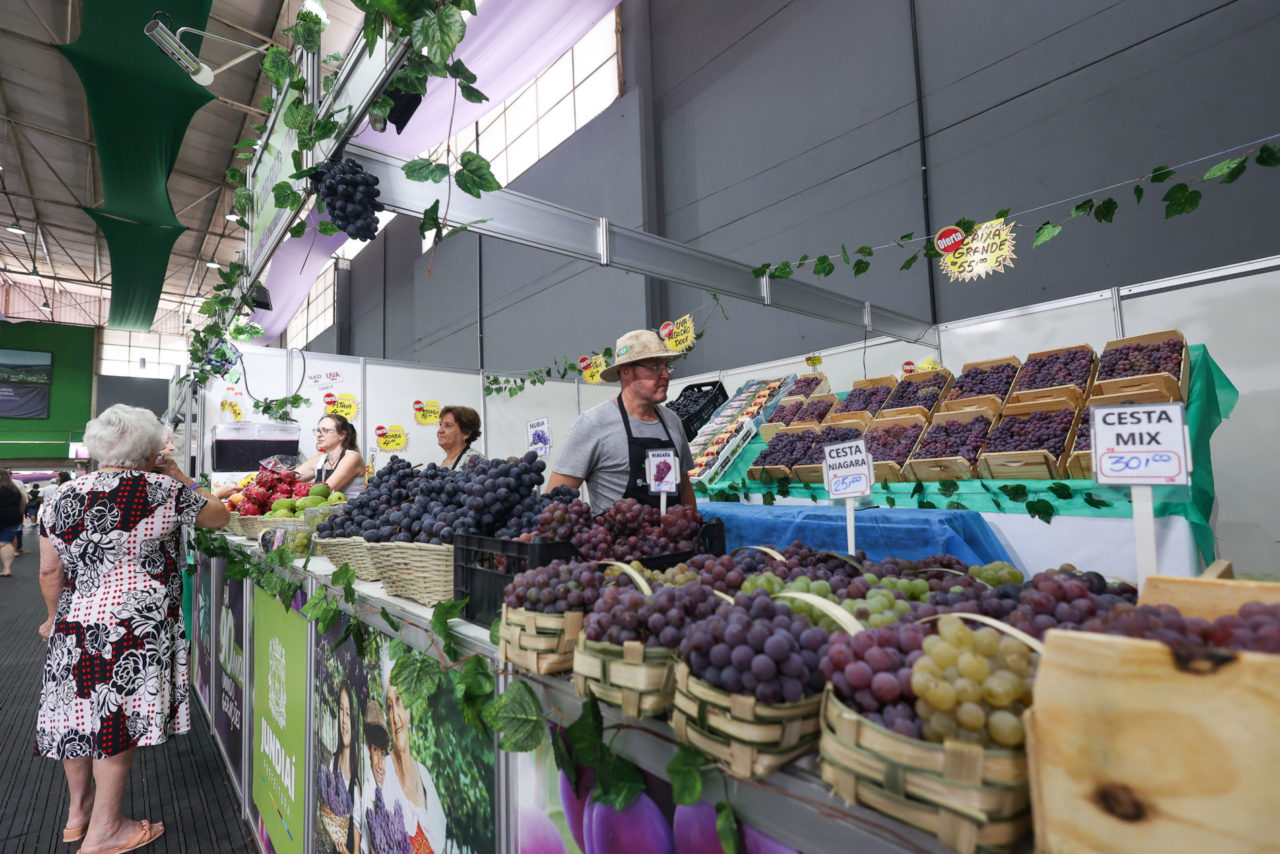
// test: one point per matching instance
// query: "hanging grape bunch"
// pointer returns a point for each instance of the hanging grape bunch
(350, 196)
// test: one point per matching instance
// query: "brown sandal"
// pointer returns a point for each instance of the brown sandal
(147, 833)
(74, 834)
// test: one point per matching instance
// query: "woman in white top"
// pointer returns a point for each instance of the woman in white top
(459, 428)
(409, 783)
(339, 464)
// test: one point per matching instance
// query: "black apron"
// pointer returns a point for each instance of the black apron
(638, 454)
(323, 474)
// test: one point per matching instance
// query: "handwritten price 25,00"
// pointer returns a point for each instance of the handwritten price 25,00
(848, 483)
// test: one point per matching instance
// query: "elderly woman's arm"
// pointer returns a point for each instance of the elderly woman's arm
(52, 579)
(214, 514)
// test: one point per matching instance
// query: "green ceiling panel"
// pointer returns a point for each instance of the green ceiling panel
(141, 103)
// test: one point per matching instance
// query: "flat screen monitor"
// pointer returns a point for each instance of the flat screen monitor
(25, 379)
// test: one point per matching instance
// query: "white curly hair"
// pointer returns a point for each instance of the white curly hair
(125, 436)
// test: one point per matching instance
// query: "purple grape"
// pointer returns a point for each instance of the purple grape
(1034, 431)
(924, 392)
(1131, 360)
(869, 400)
(953, 439)
(974, 382)
(1067, 367)
(893, 443)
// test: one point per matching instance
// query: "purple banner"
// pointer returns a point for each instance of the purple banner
(24, 400)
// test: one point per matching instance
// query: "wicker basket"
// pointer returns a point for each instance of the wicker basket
(539, 643)
(638, 679)
(749, 738)
(417, 571)
(233, 525)
(335, 826)
(968, 797)
(353, 551)
(253, 526)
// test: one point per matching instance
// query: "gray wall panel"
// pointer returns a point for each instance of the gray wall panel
(150, 394)
(444, 305)
(368, 288)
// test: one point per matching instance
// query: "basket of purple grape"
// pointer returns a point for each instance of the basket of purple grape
(949, 448)
(891, 441)
(542, 615)
(918, 393)
(335, 805)
(1157, 361)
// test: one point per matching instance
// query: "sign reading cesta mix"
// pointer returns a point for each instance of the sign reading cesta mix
(1140, 444)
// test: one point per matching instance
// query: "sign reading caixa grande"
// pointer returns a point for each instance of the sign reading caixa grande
(988, 250)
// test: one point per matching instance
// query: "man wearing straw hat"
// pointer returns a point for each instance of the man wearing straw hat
(608, 445)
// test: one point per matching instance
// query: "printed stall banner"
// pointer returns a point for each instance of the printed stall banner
(228, 715)
(398, 769)
(204, 631)
(279, 720)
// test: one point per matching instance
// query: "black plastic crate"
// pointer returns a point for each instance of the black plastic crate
(710, 541)
(715, 397)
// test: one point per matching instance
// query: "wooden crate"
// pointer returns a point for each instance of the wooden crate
(923, 376)
(1170, 389)
(1129, 751)
(875, 382)
(835, 401)
(888, 471)
(1071, 393)
(964, 795)
(748, 738)
(860, 420)
(1030, 465)
(989, 403)
(945, 468)
(768, 430)
(540, 643)
(823, 386)
(1080, 465)
(1080, 462)
(639, 680)
(807, 473)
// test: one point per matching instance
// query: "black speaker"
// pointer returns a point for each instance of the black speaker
(261, 296)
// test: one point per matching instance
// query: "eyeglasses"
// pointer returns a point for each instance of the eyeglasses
(322, 431)
(659, 369)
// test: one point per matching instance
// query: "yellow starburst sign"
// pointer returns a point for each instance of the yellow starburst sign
(988, 250)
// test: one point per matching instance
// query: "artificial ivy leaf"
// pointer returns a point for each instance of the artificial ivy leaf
(268, 103)
(331, 58)
(930, 250)
(983, 484)
(235, 177)
(303, 173)
(327, 228)
(1082, 209)
(861, 266)
(956, 505)
(444, 612)
(1268, 155)
(392, 622)
(864, 251)
(1106, 210)
(278, 67)
(438, 33)
(996, 502)
(306, 31)
(1160, 174)
(517, 714)
(466, 226)
(685, 773)
(244, 155)
(1002, 213)
(947, 487)
(918, 489)
(782, 271)
(430, 220)
(495, 631)
(907, 264)
(1040, 509)
(1236, 171)
(208, 309)
(1224, 168)
(475, 177)
(1094, 501)
(458, 70)
(564, 761)
(925, 504)
(1061, 490)
(757, 272)
(891, 501)
(908, 236)
(417, 675)
(372, 30)
(1138, 192)
(586, 733)
(822, 266)
(618, 781)
(466, 5)
(844, 255)
(965, 225)
(1045, 233)
(297, 84)
(727, 828)
(1015, 491)
(422, 169)
(768, 499)
(298, 229)
(803, 259)
(381, 106)
(472, 94)
(1180, 199)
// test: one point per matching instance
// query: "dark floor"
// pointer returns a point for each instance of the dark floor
(181, 783)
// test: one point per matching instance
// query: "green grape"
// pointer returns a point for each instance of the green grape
(967, 691)
(979, 737)
(921, 681)
(944, 654)
(999, 691)
(956, 589)
(925, 664)
(971, 716)
(986, 641)
(955, 632)
(943, 696)
(820, 588)
(943, 724)
(930, 642)
(901, 607)
(1006, 729)
(878, 620)
(973, 667)
(802, 585)
(924, 711)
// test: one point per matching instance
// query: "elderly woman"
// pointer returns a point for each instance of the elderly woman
(111, 572)
(409, 783)
(459, 427)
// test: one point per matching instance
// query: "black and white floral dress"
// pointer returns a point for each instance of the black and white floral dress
(116, 674)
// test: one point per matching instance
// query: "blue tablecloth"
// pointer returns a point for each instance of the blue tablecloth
(901, 532)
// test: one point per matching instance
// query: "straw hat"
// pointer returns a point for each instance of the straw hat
(639, 345)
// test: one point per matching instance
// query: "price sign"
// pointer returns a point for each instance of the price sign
(847, 470)
(813, 361)
(1140, 445)
(539, 432)
(323, 379)
(662, 470)
(426, 412)
(592, 372)
(908, 367)
(391, 438)
(681, 337)
(344, 405)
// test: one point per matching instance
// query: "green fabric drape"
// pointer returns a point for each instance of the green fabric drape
(140, 102)
(1211, 398)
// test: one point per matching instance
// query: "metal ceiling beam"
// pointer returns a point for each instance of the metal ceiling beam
(75, 230)
(26, 179)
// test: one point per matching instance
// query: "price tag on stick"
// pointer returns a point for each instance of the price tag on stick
(662, 470)
(847, 473)
(539, 431)
(1141, 445)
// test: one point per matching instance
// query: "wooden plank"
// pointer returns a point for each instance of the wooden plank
(1208, 597)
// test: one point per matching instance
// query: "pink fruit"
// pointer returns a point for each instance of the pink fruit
(300, 490)
(538, 834)
(247, 508)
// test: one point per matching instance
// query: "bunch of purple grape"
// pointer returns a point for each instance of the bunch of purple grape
(1255, 627)
(756, 647)
(994, 380)
(1084, 430)
(629, 530)
(386, 827)
(871, 672)
(560, 521)
(814, 410)
(805, 385)
(893, 443)
(1045, 431)
(1067, 367)
(333, 792)
(624, 614)
(785, 413)
(1131, 360)
(558, 587)
(953, 439)
(829, 436)
(865, 399)
(785, 449)
(918, 393)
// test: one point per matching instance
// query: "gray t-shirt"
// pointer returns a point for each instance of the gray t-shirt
(596, 450)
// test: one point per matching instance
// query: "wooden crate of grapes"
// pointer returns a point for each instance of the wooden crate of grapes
(539, 643)
(1039, 379)
(966, 796)
(639, 680)
(982, 374)
(886, 432)
(1080, 455)
(785, 413)
(749, 738)
(1134, 747)
(1033, 464)
(770, 473)
(1123, 358)
(955, 467)
(807, 385)
(868, 396)
(815, 410)
(918, 394)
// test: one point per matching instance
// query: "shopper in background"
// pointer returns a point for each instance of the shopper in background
(608, 445)
(459, 428)
(33, 503)
(111, 572)
(339, 464)
(13, 503)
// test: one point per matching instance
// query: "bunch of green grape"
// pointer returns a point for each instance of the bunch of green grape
(996, 573)
(973, 685)
(612, 571)
(677, 576)
(764, 581)
(879, 608)
(916, 589)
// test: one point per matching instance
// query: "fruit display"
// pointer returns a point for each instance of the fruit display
(279, 494)
(871, 672)
(1043, 431)
(1084, 430)
(786, 412)
(694, 399)
(974, 382)
(864, 400)
(923, 393)
(893, 442)
(629, 530)
(406, 505)
(806, 385)
(1064, 367)
(814, 410)
(953, 439)
(660, 618)
(722, 448)
(1255, 627)
(1135, 359)
(525, 521)
(558, 587)
(350, 197)
(798, 449)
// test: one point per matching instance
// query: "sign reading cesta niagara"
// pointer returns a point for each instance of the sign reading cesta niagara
(988, 250)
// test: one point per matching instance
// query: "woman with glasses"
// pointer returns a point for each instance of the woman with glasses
(339, 464)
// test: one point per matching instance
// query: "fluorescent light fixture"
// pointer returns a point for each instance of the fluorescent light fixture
(231, 217)
(44, 306)
(213, 265)
(14, 229)
(178, 52)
